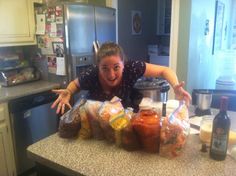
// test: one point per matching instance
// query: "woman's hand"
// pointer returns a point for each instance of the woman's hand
(62, 100)
(182, 94)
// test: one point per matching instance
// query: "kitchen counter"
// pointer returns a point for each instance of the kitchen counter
(93, 157)
(10, 93)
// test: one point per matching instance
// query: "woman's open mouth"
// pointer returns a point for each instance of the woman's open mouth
(112, 80)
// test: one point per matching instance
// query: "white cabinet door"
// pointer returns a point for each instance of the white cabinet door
(7, 161)
(5, 166)
(17, 22)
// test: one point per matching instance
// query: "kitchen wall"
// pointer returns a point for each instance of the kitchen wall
(195, 63)
(135, 46)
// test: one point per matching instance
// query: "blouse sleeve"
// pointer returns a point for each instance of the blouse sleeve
(88, 77)
(135, 70)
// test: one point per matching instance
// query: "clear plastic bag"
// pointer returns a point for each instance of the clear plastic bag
(174, 131)
(85, 131)
(69, 124)
(108, 110)
(125, 136)
(92, 108)
(129, 139)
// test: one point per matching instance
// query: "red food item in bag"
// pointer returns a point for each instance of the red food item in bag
(174, 132)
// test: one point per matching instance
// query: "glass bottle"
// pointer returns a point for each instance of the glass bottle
(220, 132)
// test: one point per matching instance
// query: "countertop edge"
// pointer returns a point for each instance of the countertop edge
(10, 93)
(50, 164)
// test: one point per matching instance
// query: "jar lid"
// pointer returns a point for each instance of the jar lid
(152, 83)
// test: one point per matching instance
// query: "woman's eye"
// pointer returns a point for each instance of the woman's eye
(117, 67)
(105, 69)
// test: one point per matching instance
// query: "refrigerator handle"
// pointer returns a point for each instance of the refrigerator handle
(95, 47)
(98, 45)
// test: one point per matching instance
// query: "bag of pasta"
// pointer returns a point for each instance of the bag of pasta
(110, 110)
(69, 124)
(174, 131)
(91, 108)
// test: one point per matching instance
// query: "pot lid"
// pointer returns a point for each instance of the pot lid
(152, 83)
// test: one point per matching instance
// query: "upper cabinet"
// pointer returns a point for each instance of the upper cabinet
(163, 17)
(17, 22)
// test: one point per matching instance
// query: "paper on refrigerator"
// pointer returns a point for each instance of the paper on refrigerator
(61, 66)
(40, 24)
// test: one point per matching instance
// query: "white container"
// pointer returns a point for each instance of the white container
(226, 83)
(153, 50)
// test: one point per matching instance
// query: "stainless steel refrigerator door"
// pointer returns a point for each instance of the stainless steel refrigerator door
(105, 20)
(81, 28)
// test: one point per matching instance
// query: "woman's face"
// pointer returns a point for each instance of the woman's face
(110, 70)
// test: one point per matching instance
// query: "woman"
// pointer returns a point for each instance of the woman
(113, 76)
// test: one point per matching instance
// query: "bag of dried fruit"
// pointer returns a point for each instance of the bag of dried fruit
(174, 130)
(109, 111)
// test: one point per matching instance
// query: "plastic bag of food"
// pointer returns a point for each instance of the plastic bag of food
(118, 123)
(92, 108)
(85, 131)
(110, 109)
(174, 131)
(147, 126)
(69, 124)
(128, 137)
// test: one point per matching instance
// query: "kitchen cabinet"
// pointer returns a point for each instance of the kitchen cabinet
(163, 17)
(7, 166)
(17, 22)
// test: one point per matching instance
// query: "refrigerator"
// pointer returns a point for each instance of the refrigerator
(70, 34)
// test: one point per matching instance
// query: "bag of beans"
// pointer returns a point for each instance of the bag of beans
(69, 124)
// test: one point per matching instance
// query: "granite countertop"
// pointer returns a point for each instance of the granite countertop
(93, 157)
(9, 93)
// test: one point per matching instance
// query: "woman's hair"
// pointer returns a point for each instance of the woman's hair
(110, 49)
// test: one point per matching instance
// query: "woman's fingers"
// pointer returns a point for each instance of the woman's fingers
(68, 104)
(187, 98)
(62, 101)
(55, 102)
(59, 108)
(63, 109)
(58, 91)
(182, 94)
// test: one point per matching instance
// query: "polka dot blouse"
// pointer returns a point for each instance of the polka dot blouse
(133, 70)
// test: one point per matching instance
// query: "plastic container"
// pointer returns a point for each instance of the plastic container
(17, 76)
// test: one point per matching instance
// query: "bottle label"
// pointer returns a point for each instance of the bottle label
(219, 141)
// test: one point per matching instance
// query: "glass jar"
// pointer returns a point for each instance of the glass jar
(146, 123)
(206, 129)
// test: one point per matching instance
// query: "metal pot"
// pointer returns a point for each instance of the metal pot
(204, 99)
(156, 89)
